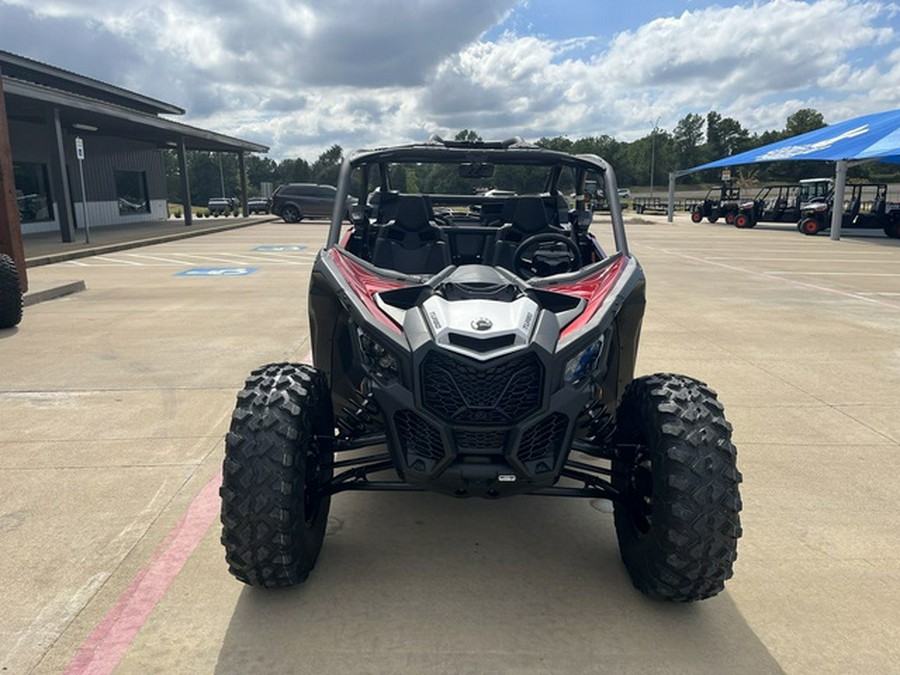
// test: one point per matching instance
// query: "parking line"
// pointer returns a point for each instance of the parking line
(116, 261)
(108, 642)
(793, 282)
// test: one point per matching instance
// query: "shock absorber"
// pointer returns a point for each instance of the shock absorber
(359, 416)
(600, 428)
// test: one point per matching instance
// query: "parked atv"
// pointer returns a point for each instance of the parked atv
(781, 203)
(866, 207)
(721, 202)
(489, 352)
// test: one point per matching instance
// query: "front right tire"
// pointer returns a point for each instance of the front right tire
(677, 515)
(10, 293)
(278, 459)
(809, 226)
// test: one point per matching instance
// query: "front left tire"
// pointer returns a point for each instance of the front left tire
(278, 459)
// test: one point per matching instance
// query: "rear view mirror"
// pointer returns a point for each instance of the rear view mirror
(476, 170)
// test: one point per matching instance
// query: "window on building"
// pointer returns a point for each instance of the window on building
(32, 192)
(131, 191)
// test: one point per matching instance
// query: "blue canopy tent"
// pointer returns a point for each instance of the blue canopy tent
(868, 138)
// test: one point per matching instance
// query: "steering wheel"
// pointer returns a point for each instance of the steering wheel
(544, 263)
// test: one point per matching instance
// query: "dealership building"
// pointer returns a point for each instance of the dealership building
(87, 151)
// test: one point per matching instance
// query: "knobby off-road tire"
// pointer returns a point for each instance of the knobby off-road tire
(678, 521)
(809, 226)
(10, 293)
(273, 517)
(744, 221)
(892, 229)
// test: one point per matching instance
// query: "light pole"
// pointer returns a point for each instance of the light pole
(653, 153)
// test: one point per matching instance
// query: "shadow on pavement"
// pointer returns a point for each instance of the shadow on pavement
(424, 584)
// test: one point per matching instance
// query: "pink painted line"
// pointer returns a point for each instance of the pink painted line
(106, 646)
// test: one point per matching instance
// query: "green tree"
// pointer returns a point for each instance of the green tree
(327, 167)
(293, 171)
(724, 136)
(687, 139)
(260, 170)
(802, 121)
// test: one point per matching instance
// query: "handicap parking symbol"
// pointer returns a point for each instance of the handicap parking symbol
(281, 248)
(217, 272)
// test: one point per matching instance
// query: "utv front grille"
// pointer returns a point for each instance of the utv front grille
(420, 441)
(480, 441)
(542, 442)
(473, 394)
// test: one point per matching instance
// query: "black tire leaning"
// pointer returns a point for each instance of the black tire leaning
(10, 293)
(273, 517)
(678, 520)
(892, 229)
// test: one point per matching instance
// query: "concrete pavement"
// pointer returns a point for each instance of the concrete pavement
(115, 401)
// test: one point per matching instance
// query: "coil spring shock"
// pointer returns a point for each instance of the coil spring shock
(359, 416)
(599, 423)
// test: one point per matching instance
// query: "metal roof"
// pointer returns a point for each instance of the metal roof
(33, 88)
(29, 70)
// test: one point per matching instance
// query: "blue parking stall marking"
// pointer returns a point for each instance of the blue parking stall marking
(216, 272)
(281, 249)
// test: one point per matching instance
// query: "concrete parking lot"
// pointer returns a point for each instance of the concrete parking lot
(114, 402)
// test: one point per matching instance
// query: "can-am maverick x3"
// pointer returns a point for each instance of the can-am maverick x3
(476, 338)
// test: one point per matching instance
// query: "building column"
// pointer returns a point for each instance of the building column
(243, 169)
(185, 182)
(10, 225)
(59, 180)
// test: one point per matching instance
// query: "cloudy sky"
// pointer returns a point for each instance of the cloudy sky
(300, 76)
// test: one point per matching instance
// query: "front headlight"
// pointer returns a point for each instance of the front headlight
(581, 365)
(378, 360)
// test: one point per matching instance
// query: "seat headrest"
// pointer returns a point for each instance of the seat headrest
(412, 213)
(530, 214)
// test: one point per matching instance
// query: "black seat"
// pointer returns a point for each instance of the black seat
(528, 216)
(411, 243)
(853, 208)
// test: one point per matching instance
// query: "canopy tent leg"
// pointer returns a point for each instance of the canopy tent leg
(837, 208)
(670, 210)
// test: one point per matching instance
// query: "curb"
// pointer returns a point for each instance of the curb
(52, 292)
(52, 258)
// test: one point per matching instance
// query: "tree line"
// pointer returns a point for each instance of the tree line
(696, 139)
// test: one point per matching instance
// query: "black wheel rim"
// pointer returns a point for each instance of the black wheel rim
(640, 491)
(312, 482)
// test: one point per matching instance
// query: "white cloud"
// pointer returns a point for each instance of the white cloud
(301, 76)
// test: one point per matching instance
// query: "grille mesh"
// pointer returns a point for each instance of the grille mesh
(480, 440)
(541, 443)
(420, 441)
(497, 394)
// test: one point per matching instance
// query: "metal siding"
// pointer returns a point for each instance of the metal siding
(103, 156)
